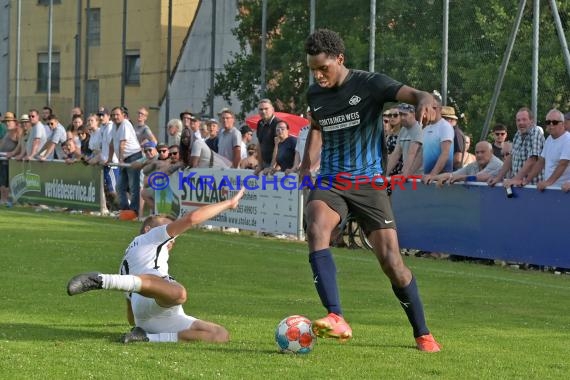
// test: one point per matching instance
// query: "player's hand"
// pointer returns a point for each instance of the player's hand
(566, 187)
(234, 201)
(425, 112)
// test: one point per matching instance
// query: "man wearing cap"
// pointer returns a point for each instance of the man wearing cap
(448, 113)
(409, 144)
(213, 129)
(186, 136)
(128, 149)
(229, 140)
(266, 133)
(246, 137)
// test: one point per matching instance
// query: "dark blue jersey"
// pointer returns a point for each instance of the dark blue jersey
(349, 116)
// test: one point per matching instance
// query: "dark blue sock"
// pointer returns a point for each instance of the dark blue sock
(324, 276)
(409, 298)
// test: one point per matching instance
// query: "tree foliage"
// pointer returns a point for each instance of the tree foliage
(408, 48)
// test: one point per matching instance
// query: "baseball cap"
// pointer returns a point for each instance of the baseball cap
(224, 110)
(149, 144)
(405, 107)
(161, 146)
(186, 112)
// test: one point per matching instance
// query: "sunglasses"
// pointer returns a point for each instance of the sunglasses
(393, 114)
(163, 151)
(148, 150)
(500, 133)
(174, 153)
(553, 122)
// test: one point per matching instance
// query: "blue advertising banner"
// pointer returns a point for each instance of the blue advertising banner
(480, 221)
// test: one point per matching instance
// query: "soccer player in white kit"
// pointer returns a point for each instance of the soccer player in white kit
(154, 302)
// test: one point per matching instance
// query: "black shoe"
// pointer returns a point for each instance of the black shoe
(135, 335)
(84, 282)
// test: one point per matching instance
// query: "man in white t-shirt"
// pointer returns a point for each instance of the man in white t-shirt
(555, 154)
(126, 145)
(437, 154)
(154, 299)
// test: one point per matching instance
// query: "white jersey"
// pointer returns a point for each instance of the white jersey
(148, 253)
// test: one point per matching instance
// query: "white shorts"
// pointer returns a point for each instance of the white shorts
(156, 319)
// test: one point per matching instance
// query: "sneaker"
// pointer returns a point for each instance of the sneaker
(427, 343)
(332, 326)
(84, 282)
(135, 335)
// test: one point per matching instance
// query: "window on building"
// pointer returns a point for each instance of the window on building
(92, 96)
(94, 23)
(43, 72)
(133, 67)
(46, 2)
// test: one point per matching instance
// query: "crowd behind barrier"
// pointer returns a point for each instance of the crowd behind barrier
(469, 219)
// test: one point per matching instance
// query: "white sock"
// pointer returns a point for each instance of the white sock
(127, 282)
(163, 337)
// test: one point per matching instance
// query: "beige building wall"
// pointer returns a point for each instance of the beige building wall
(147, 30)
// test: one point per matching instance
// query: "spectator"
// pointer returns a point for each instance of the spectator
(448, 113)
(37, 137)
(409, 143)
(111, 174)
(76, 122)
(467, 157)
(437, 145)
(266, 133)
(284, 151)
(527, 147)
(3, 128)
(499, 138)
(54, 142)
(391, 131)
(213, 129)
(128, 150)
(300, 152)
(94, 139)
(174, 154)
(486, 166)
(143, 131)
(204, 131)
(84, 138)
(8, 144)
(555, 155)
(567, 121)
(25, 127)
(195, 123)
(186, 136)
(163, 153)
(246, 137)
(251, 161)
(76, 111)
(71, 152)
(174, 128)
(45, 115)
(229, 140)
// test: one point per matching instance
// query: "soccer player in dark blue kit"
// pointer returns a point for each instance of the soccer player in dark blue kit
(346, 130)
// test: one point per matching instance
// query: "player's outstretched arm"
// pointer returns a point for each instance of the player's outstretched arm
(202, 214)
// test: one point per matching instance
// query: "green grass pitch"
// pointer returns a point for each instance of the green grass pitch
(494, 323)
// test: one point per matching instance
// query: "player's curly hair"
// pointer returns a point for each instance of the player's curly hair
(324, 41)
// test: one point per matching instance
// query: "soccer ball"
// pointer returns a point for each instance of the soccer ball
(294, 335)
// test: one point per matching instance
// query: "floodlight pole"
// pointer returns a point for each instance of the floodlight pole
(535, 46)
(561, 36)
